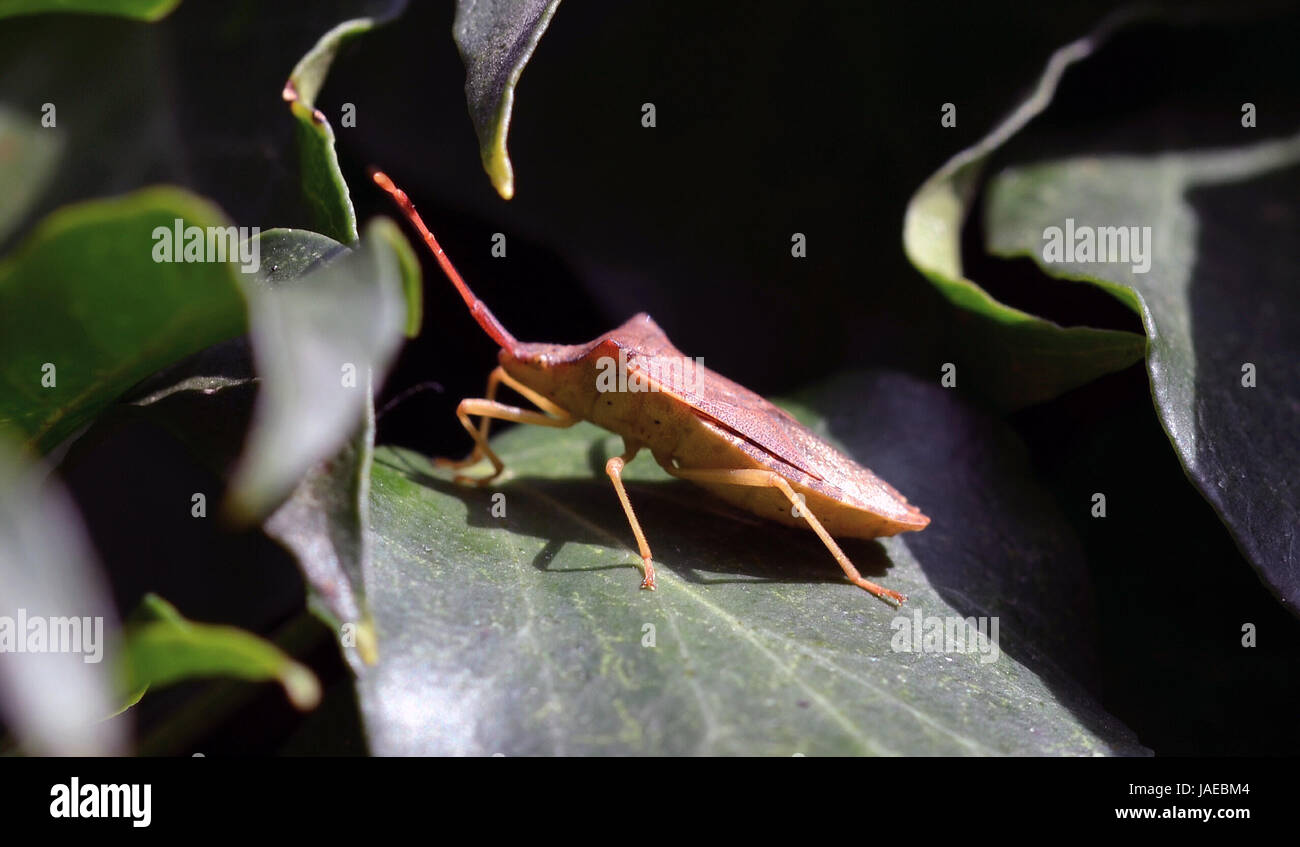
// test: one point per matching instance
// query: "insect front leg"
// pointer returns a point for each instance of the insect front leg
(614, 467)
(495, 379)
(485, 408)
(762, 478)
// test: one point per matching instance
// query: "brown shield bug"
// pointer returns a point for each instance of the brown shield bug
(698, 425)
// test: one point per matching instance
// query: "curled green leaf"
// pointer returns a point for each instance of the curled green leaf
(1018, 359)
(323, 186)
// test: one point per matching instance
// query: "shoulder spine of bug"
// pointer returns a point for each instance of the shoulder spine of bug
(697, 424)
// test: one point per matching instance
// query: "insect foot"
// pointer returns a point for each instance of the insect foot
(649, 581)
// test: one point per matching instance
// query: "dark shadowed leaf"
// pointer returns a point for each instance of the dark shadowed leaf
(203, 402)
(311, 445)
(510, 619)
(496, 38)
(1219, 303)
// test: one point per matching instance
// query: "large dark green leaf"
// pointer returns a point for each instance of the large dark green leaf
(527, 634)
(1017, 359)
(496, 38)
(83, 300)
(1219, 298)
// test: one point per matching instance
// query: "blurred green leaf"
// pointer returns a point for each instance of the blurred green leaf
(28, 154)
(1017, 359)
(319, 338)
(496, 38)
(53, 701)
(84, 305)
(526, 633)
(322, 182)
(162, 647)
(1220, 292)
(325, 327)
(145, 10)
(311, 446)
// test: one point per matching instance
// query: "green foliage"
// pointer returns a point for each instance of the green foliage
(86, 312)
(510, 619)
(323, 186)
(318, 336)
(1210, 351)
(145, 10)
(162, 647)
(1017, 359)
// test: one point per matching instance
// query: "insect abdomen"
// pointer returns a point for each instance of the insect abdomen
(841, 512)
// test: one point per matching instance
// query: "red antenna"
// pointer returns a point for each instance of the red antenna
(477, 307)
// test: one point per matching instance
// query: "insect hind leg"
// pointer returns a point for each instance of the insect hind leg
(761, 478)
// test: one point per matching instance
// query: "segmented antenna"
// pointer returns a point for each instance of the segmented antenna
(477, 307)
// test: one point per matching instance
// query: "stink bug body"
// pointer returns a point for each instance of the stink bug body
(698, 425)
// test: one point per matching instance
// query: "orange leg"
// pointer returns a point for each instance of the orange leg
(757, 477)
(495, 378)
(614, 467)
(488, 409)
